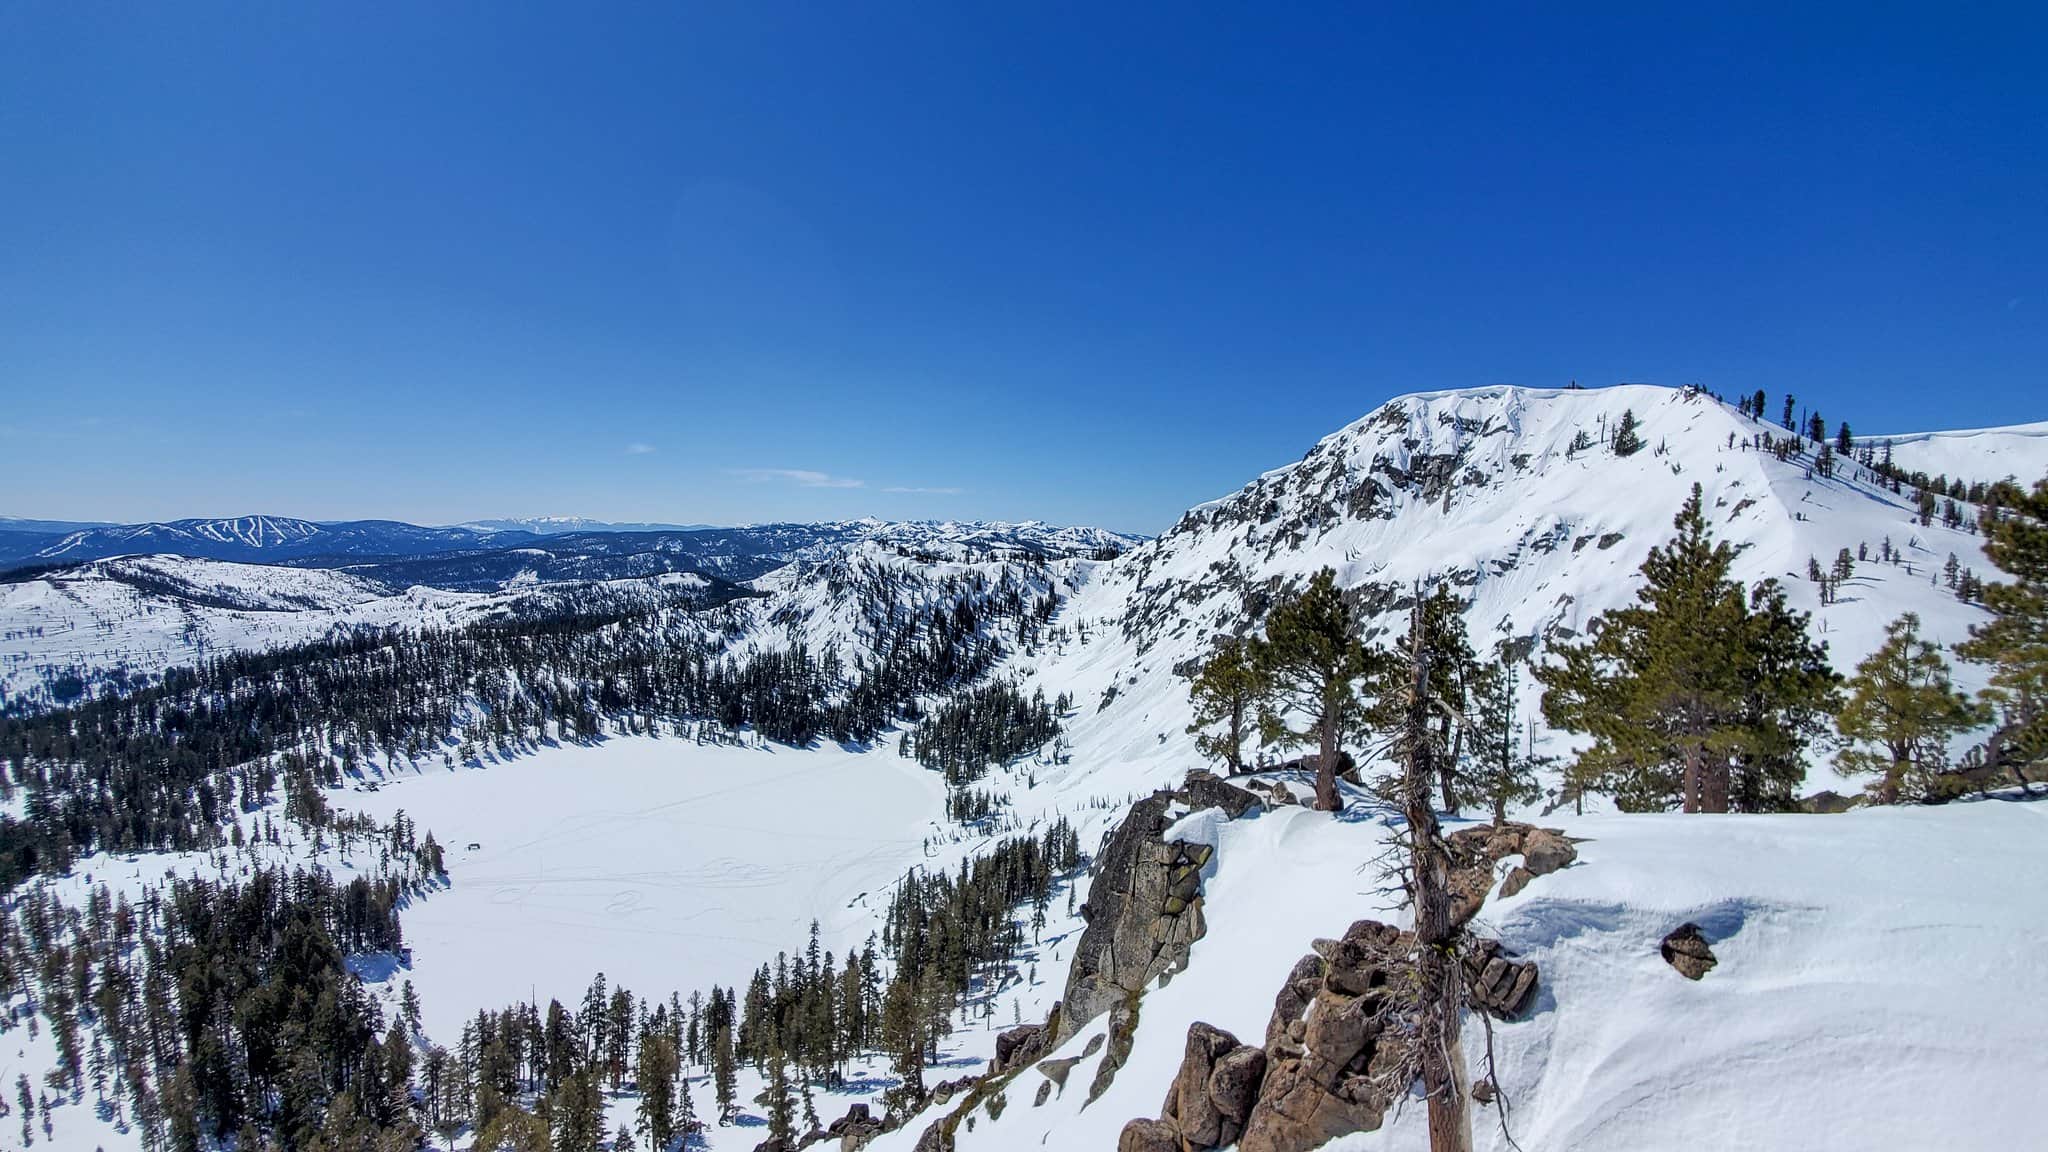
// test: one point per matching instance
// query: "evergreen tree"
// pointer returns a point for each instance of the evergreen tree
(577, 1109)
(1786, 419)
(1497, 772)
(1226, 689)
(781, 1106)
(1845, 444)
(1900, 713)
(1453, 672)
(656, 1074)
(1313, 658)
(2015, 642)
(1627, 440)
(1676, 686)
(1789, 692)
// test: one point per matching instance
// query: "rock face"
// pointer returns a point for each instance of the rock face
(1144, 908)
(1017, 1047)
(1496, 983)
(1338, 1049)
(1686, 950)
(1336, 1055)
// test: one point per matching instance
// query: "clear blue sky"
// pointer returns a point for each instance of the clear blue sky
(1087, 263)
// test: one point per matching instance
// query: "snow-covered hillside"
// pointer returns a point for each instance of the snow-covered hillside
(134, 617)
(1483, 488)
(1979, 454)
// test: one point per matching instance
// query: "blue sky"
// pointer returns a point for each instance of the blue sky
(1087, 263)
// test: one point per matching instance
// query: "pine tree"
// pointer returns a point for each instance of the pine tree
(1454, 670)
(577, 1107)
(1786, 419)
(781, 1108)
(1226, 690)
(656, 1073)
(1627, 440)
(1845, 444)
(1900, 713)
(1496, 771)
(1312, 658)
(1658, 684)
(2015, 642)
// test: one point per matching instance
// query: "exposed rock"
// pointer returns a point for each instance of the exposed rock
(1545, 851)
(1188, 1106)
(1517, 879)
(855, 1128)
(1476, 850)
(1336, 1058)
(1144, 908)
(1148, 1136)
(1497, 983)
(1017, 1047)
(1234, 1082)
(1056, 1070)
(1686, 950)
(1829, 802)
(1123, 1032)
(1044, 1094)
(1205, 789)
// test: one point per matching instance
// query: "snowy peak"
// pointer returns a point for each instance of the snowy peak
(1517, 499)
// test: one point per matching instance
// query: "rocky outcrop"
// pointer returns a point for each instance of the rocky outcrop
(854, 1129)
(1339, 1049)
(1144, 908)
(1478, 850)
(1206, 1113)
(1686, 950)
(1497, 983)
(1017, 1047)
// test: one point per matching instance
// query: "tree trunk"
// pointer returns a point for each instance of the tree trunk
(1894, 777)
(1448, 774)
(1327, 799)
(1440, 979)
(1692, 777)
(1237, 736)
(1714, 785)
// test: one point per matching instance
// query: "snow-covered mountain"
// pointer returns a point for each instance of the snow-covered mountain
(560, 525)
(256, 539)
(830, 584)
(1484, 488)
(671, 863)
(129, 618)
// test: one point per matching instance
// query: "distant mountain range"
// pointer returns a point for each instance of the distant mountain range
(562, 525)
(481, 557)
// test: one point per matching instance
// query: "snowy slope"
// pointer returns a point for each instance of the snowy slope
(1480, 487)
(139, 615)
(1986, 454)
(1856, 1004)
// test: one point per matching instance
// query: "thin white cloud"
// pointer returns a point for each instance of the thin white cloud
(801, 477)
(639, 448)
(923, 491)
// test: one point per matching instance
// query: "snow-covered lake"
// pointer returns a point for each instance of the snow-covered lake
(665, 864)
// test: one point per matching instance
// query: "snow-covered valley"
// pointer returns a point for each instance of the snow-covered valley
(1859, 997)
